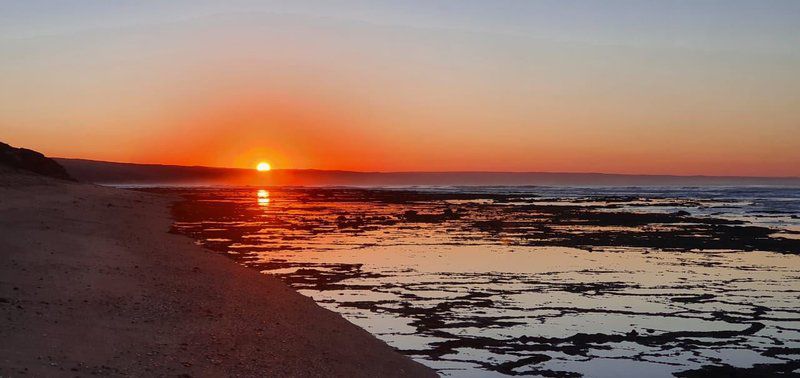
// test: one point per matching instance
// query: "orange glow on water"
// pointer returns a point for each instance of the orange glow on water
(263, 197)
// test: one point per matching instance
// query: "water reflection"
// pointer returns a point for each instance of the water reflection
(543, 284)
(263, 197)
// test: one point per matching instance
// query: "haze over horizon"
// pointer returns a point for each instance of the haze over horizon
(63, 159)
(647, 87)
(108, 173)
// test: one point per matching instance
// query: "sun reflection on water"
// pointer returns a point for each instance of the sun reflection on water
(263, 197)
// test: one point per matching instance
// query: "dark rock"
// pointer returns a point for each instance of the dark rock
(490, 225)
(509, 366)
(416, 217)
(29, 160)
(694, 299)
(781, 369)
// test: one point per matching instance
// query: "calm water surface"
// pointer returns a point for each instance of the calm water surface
(539, 281)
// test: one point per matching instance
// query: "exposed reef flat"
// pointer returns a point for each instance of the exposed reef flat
(559, 282)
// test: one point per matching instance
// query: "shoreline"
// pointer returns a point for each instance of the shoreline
(93, 283)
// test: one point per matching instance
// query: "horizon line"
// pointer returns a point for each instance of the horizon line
(440, 172)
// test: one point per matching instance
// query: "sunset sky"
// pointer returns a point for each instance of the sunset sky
(675, 87)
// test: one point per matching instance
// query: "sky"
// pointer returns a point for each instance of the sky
(688, 87)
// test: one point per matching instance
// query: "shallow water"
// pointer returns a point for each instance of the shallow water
(545, 281)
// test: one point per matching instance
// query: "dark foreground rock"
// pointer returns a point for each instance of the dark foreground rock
(30, 160)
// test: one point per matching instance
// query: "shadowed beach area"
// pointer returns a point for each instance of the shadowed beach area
(91, 282)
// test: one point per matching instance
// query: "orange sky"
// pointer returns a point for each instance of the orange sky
(318, 91)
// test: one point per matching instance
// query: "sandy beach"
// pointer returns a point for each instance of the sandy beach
(93, 283)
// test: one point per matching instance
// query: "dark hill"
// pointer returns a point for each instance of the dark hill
(30, 160)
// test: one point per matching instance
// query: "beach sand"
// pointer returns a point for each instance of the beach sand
(91, 282)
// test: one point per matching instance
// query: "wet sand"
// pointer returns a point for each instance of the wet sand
(92, 283)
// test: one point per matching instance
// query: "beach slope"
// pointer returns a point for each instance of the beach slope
(91, 282)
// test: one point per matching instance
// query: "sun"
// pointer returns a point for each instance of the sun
(263, 166)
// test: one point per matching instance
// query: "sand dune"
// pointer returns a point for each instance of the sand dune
(91, 282)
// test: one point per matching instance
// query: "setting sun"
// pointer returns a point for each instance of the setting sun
(263, 166)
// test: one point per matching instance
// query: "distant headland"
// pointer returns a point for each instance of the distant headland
(152, 174)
